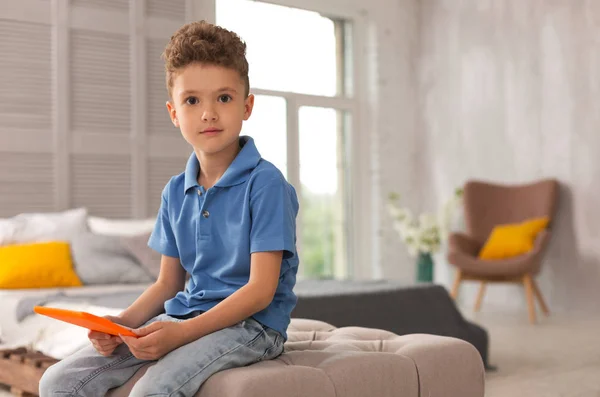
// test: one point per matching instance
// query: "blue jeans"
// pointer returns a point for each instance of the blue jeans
(178, 373)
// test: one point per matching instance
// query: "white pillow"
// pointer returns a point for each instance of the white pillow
(120, 227)
(45, 226)
(8, 230)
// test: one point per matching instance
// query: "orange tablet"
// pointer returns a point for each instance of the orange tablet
(85, 320)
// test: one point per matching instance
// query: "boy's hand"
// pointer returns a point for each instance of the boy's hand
(105, 344)
(155, 340)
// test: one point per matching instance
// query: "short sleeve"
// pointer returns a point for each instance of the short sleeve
(162, 238)
(273, 210)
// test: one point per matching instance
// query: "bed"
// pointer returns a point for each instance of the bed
(108, 260)
(115, 265)
(20, 326)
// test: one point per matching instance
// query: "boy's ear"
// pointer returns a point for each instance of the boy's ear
(172, 114)
(248, 106)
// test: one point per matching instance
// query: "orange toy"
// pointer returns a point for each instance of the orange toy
(85, 320)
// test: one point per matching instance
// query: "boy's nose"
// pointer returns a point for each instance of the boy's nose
(209, 115)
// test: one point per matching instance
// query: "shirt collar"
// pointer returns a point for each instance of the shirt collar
(237, 172)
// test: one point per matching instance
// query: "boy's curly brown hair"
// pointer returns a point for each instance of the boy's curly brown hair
(205, 43)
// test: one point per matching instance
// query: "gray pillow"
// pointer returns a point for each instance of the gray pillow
(148, 258)
(102, 259)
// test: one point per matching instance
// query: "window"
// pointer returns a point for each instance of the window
(323, 222)
(302, 117)
(283, 53)
(267, 126)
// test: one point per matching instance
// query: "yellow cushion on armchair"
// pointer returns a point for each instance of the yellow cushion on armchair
(37, 265)
(507, 241)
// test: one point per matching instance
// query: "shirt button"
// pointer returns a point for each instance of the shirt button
(205, 213)
(199, 192)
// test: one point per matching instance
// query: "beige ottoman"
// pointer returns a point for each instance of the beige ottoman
(321, 360)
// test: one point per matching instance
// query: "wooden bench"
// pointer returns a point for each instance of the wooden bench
(21, 370)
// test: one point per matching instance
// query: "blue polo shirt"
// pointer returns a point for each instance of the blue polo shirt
(252, 208)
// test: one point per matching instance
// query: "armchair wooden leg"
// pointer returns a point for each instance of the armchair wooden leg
(480, 296)
(528, 283)
(539, 297)
(456, 285)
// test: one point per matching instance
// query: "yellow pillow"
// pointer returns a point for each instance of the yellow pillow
(37, 265)
(514, 239)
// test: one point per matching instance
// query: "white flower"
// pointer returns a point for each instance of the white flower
(427, 220)
(400, 214)
(425, 233)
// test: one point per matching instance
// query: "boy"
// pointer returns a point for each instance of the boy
(228, 220)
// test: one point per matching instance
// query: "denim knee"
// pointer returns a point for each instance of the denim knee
(53, 382)
(146, 386)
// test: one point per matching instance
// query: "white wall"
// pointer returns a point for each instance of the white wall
(395, 129)
(510, 91)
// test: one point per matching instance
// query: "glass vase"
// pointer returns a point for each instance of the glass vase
(424, 267)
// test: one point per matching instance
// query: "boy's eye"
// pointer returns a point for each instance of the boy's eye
(224, 98)
(192, 100)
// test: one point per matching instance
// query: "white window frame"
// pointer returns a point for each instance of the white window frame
(360, 238)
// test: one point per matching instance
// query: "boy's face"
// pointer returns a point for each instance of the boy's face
(208, 105)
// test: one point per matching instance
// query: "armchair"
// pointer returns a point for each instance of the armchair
(487, 205)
